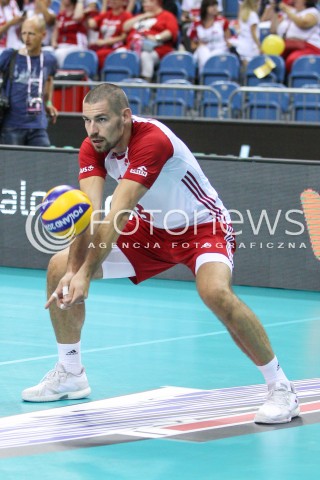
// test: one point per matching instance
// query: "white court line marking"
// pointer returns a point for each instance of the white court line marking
(151, 342)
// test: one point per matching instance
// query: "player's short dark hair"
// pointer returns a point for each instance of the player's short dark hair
(115, 96)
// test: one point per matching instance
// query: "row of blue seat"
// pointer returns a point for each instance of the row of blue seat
(181, 65)
(225, 100)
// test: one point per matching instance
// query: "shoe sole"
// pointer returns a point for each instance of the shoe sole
(61, 396)
(268, 421)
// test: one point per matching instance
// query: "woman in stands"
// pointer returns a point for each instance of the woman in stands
(247, 43)
(152, 34)
(70, 32)
(210, 35)
(300, 27)
(111, 34)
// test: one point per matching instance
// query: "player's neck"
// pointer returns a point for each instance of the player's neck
(125, 139)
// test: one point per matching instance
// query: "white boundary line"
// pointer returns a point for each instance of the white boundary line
(152, 342)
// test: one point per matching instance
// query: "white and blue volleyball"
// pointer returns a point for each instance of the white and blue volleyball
(65, 211)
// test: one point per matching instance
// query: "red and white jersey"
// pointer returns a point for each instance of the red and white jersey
(213, 36)
(179, 194)
(71, 31)
(110, 25)
(10, 39)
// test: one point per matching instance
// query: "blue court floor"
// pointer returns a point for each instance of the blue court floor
(172, 396)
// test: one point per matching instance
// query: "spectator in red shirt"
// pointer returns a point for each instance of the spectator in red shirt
(109, 24)
(152, 34)
(70, 33)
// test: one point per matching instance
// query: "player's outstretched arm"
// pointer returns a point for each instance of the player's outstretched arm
(93, 187)
(125, 197)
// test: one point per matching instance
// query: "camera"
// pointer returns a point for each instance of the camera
(4, 102)
(4, 105)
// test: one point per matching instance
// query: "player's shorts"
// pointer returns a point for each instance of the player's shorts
(150, 252)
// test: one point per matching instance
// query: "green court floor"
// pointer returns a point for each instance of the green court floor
(159, 341)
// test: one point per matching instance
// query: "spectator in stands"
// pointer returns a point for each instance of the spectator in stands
(247, 43)
(190, 13)
(132, 6)
(43, 10)
(10, 20)
(30, 91)
(300, 27)
(109, 24)
(70, 32)
(210, 35)
(152, 34)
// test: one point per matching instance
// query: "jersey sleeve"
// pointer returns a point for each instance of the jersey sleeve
(51, 63)
(172, 24)
(91, 163)
(147, 155)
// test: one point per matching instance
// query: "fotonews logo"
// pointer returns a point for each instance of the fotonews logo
(41, 239)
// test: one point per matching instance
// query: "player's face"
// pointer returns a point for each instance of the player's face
(104, 128)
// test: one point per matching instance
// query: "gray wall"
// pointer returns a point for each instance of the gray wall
(266, 139)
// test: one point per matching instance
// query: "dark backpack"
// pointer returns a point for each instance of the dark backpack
(4, 94)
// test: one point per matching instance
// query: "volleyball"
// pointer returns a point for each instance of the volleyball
(273, 45)
(65, 211)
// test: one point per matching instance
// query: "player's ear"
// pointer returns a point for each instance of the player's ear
(126, 115)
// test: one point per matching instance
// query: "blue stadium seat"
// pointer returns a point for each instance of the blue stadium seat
(86, 60)
(185, 94)
(120, 65)
(174, 101)
(211, 105)
(55, 6)
(276, 75)
(306, 107)
(231, 8)
(177, 65)
(305, 69)
(230, 100)
(263, 33)
(267, 105)
(139, 98)
(221, 67)
(170, 107)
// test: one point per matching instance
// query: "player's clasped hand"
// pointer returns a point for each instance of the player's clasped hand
(72, 290)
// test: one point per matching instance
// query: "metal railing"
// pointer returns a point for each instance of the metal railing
(199, 101)
(265, 104)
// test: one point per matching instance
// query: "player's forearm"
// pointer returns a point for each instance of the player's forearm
(78, 252)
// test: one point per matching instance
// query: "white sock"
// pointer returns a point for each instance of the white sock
(272, 372)
(70, 357)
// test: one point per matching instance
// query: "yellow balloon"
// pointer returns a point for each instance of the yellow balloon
(273, 45)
